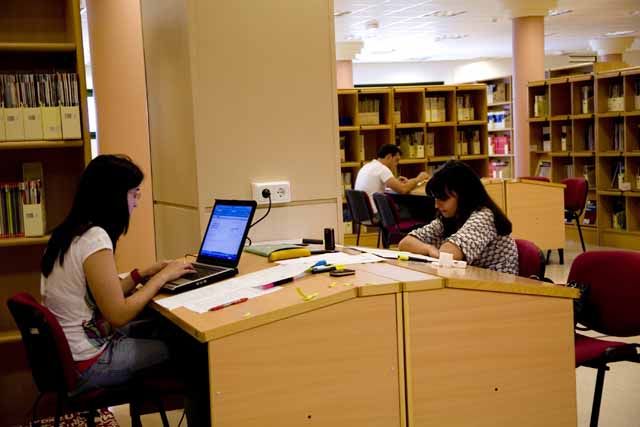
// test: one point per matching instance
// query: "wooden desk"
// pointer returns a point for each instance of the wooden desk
(337, 360)
(535, 208)
(471, 347)
(489, 349)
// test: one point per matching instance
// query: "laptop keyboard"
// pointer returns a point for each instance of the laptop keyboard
(202, 272)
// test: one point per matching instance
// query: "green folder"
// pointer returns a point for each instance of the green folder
(266, 250)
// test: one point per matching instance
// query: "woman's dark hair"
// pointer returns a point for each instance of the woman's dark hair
(457, 177)
(101, 201)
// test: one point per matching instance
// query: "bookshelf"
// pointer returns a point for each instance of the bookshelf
(424, 121)
(589, 125)
(40, 36)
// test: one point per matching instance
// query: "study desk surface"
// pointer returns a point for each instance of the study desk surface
(368, 280)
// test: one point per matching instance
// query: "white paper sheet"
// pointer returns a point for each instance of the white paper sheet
(397, 273)
(390, 254)
(334, 258)
(227, 287)
(205, 304)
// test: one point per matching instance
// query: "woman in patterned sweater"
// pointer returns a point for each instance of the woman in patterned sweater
(468, 225)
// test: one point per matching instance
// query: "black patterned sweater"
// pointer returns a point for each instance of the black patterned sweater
(478, 240)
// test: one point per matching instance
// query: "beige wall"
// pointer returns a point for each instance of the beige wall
(119, 85)
(239, 92)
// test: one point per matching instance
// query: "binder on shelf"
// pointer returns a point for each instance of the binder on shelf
(3, 136)
(33, 212)
(14, 124)
(51, 123)
(32, 123)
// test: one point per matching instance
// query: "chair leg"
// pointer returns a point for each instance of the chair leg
(561, 255)
(59, 405)
(548, 256)
(163, 414)
(597, 396)
(580, 233)
(91, 418)
(134, 413)
(378, 241)
(358, 235)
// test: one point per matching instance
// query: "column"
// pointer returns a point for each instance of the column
(610, 50)
(345, 53)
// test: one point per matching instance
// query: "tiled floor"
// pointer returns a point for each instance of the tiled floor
(620, 400)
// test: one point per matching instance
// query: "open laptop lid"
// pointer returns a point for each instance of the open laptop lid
(226, 232)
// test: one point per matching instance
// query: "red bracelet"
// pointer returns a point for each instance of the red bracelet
(136, 277)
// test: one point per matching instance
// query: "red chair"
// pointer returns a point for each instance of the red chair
(404, 225)
(575, 198)
(391, 231)
(362, 212)
(54, 370)
(610, 307)
(531, 262)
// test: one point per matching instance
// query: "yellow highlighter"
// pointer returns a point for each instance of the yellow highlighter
(288, 254)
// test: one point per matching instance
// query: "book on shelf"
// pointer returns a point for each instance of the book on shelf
(568, 170)
(586, 99)
(564, 144)
(397, 110)
(499, 144)
(546, 138)
(430, 144)
(589, 174)
(618, 135)
(369, 111)
(589, 139)
(343, 143)
(590, 213)
(39, 106)
(615, 102)
(499, 168)
(618, 216)
(22, 204)
(544, 168)
(617, 178)
(465, 108)
(435, 109)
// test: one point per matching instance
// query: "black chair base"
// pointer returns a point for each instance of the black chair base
(560, 255)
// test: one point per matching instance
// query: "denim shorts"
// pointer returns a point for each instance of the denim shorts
(124, 356)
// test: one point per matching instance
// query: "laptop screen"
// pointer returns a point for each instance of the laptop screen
(226, 232)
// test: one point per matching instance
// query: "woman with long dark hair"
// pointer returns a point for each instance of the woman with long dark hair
(81, 286)
(468, 225)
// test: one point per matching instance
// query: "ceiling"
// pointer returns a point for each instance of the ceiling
(402, 30)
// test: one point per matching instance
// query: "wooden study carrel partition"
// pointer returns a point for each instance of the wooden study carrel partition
(394, 345)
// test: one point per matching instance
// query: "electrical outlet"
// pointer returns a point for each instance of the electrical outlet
(280, 192)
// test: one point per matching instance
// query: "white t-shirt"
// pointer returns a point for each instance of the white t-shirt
(65, 294)
(371, 179)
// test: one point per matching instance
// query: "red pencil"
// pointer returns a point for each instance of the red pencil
(227, 304)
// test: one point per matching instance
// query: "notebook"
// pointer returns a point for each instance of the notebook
(221, 245)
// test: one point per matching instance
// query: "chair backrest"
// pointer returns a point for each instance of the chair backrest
(359, 205)
(394, 208)
(385, 212)
(47, 348)
(575, 194)
(531, 261)
(613, 295)
(536, 178)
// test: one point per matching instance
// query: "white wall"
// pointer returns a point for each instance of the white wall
(451, 71)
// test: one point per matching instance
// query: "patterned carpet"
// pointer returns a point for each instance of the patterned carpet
(105, 419)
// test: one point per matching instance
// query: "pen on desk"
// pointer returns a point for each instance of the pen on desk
(230, 303)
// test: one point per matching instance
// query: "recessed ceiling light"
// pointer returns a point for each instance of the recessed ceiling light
(339, 13)
(558, 12)
(619, 33)
(450, 37)
(444, 13)
(382, 51)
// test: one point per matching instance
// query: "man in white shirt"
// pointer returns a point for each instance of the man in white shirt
(376, 175)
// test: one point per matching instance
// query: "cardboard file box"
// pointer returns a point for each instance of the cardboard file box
(32, 123)
(70, 117)
(369, 118)
(51, 123)
(34, 224)
(14, 124)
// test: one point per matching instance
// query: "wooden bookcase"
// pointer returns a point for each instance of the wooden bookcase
(37, 36)
(402, 114)
(501, 101)
(601, 136)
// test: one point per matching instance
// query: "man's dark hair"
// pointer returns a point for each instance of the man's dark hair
(388, 149)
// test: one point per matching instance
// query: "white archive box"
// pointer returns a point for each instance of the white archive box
(32, 123)
(2, 125)
(51, 124)
(33, 217)
(14, 124)
(70, 117)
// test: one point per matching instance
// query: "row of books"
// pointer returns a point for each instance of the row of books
(499, 168)
(464, 107)
(618, 135)
(21, 212)
(412, 144)
(496, 92)
(39, 107)
(469, 142)
(499, 144)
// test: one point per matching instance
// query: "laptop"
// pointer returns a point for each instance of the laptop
(221, 246)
